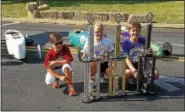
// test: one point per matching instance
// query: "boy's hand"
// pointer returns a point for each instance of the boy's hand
(133, 70)
(102, 57)
(51, 64)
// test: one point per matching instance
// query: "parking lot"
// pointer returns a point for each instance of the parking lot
(23, 86)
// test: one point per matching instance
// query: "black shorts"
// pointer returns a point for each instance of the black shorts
(149, 65)
(104, 66)
(135, 66)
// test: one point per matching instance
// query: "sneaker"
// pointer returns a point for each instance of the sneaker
(106, 77)
(132, 81)
(92, 87)
(102, 79)
(55, 84)
(72, 91)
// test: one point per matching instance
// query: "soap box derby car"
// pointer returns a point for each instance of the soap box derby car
(77, 38)
(16, 44)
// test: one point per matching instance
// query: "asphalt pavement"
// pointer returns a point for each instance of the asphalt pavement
(23, 87)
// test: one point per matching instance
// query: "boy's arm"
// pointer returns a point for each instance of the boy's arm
(125, 49)
(111, 49)
(68, 58)
(130, 65)
(48, 58)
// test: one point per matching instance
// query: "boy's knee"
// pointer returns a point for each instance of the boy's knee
(93, 64)
(156, 75)
(48, 82)
(128, 74)
(66, 67)
(128, 71)
(49, 79)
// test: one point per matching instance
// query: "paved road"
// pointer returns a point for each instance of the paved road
(23, 85)
(39, 32)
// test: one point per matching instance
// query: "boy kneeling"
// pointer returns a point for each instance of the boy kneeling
(57, 63)
(132, 45)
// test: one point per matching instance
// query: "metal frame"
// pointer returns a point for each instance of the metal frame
(145, 76)
(113, 90)
(90, 96)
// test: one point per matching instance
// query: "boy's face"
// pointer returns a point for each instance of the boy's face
(134, 32)
(98, 33)
(57, 46)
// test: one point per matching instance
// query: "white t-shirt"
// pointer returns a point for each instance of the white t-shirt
(101, 48)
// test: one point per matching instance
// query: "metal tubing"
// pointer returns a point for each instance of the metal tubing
(117, 45)
(110, 78)
(115, 75)
(124, 77)
(87, 69)
(91, 42)
(149, 28)
(86, 82)
(113, 71)
(98, 80)
(139, 74)
(117, 53)
(153, 73)
(91, 46)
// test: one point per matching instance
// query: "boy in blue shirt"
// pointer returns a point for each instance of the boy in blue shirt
(133, 44)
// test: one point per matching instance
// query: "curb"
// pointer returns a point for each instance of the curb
(74, 22)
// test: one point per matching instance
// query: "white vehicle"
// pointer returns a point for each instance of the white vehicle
(16, 44)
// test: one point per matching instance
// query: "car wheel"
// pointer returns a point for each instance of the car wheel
(23, 60)
(167, 49)
(29, 41)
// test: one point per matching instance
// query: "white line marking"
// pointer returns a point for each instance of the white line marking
(168, 87)
(180, 45)
(10, 24)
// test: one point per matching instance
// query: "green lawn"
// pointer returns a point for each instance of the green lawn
(164, 11)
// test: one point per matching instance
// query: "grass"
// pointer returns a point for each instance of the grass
(13, 10)
(164, 11)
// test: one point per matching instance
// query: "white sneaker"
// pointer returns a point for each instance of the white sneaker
(92, 87)
(106, 77)
(102, 79)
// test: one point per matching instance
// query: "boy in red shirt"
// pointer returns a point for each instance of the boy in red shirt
(57, 63)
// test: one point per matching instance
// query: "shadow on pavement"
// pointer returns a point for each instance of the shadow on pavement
(11, 63)
(78, 87)
(32, 57)
(43, 38)
(159, 93)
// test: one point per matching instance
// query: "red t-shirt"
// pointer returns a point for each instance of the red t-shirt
(63, 54)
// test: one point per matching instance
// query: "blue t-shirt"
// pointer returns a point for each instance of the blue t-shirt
(133, 50)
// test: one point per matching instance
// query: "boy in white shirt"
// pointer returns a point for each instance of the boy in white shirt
(102, 47)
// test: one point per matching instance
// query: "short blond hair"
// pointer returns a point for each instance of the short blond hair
(99, 26)
(135, 24)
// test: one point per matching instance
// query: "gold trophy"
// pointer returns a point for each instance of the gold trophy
(113, 71)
